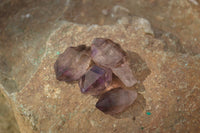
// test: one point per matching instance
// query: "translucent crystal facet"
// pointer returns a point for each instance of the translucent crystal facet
(94, 69)
(125, 74)
(73, 63)
(109, 54)
(95, 81)
(116, 100)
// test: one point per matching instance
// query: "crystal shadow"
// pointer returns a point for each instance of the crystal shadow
(141, 71)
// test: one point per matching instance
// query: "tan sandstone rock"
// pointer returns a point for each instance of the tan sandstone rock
(169, 87)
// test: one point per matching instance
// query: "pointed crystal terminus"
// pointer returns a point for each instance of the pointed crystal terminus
(125, 74)
(116, 100)
(95, 81)
(109, 54)
(67, 66)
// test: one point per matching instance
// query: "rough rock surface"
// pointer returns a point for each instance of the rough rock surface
(169, 87)
(7, 120)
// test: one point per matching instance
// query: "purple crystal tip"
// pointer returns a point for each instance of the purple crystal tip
(109, 54)
(95, 80)
(74, 64)
(116, 100)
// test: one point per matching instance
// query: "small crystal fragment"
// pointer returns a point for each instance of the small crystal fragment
(125, 74)
(109, 54)
(95, 81)
(116, 100)
(73, 63)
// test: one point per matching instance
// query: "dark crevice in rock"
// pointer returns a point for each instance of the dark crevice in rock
(171, 42)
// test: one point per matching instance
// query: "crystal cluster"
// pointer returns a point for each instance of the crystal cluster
(94, 69)
(109, 54)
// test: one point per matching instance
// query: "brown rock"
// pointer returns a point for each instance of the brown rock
(168, 87)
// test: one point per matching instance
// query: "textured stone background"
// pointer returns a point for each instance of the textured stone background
(164, 56)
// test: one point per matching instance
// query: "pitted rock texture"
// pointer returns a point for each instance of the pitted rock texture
(168, 87)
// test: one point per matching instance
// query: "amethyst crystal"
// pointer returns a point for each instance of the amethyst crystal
(109, 54)
(73, 63)
(95, 81)
(116, 100)
(125, 74)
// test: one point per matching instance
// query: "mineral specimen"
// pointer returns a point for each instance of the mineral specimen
(109, 54)
(73, 63)
(94, 69)
(116, 100)
(95, 81)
